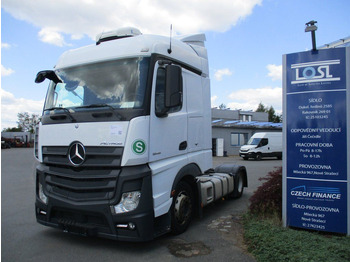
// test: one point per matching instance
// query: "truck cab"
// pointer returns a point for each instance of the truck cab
(125, 131)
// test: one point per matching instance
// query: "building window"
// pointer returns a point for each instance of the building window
(238, 139)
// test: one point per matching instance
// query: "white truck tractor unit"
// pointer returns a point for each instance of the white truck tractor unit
(267, 144)
(124, 144)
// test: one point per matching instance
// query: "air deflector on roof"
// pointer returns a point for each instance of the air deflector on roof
(117, 34)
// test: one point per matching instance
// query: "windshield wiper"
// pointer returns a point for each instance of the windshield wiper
(65, 110)
(119, 116)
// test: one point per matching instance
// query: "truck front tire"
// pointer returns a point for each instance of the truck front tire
(182, 208)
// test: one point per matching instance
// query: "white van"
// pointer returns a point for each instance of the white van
(267, 144)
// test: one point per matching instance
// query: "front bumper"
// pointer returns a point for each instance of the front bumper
(95, 220)
(247, 154)
(72, 208)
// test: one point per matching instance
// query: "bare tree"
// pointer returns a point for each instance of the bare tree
(27, 122)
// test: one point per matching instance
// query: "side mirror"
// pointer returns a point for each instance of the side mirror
(49, 74)
(173, 86)
(40, 77)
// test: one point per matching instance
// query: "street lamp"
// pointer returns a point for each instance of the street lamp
(311, 27)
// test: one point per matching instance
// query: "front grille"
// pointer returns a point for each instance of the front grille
(94, 180)
(95, 156)
(81, 185)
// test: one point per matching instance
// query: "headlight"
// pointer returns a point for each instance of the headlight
(42, 195)
(129, 202)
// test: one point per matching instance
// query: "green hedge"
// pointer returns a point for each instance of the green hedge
(269, 241)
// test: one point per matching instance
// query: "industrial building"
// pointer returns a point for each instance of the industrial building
(232, 128)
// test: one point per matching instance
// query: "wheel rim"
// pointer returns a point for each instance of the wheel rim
(182, 208)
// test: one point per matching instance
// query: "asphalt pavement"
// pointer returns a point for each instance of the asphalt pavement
(215, 237)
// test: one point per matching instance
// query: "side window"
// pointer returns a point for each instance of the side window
(264, 142)
(160, 89)
(160, 94)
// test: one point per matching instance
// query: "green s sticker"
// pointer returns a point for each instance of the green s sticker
(138, 147)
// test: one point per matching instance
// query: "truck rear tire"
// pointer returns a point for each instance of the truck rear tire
(239, 186)
(182, 208)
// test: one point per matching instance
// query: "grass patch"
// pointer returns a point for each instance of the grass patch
(267, 240)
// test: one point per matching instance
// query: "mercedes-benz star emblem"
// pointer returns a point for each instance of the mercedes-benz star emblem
(76, 154)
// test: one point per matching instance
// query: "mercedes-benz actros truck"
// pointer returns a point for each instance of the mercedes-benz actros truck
(124, 143)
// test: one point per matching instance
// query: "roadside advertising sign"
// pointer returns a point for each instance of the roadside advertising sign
(316, 140)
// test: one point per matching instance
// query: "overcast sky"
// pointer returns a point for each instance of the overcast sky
(245, 39)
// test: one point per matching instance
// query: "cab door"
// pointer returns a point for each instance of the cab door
(264, 146)
(168, 125)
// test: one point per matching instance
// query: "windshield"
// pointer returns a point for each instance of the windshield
(117, 84)
(254, 141)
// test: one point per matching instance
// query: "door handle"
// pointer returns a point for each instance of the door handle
(183, 145)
